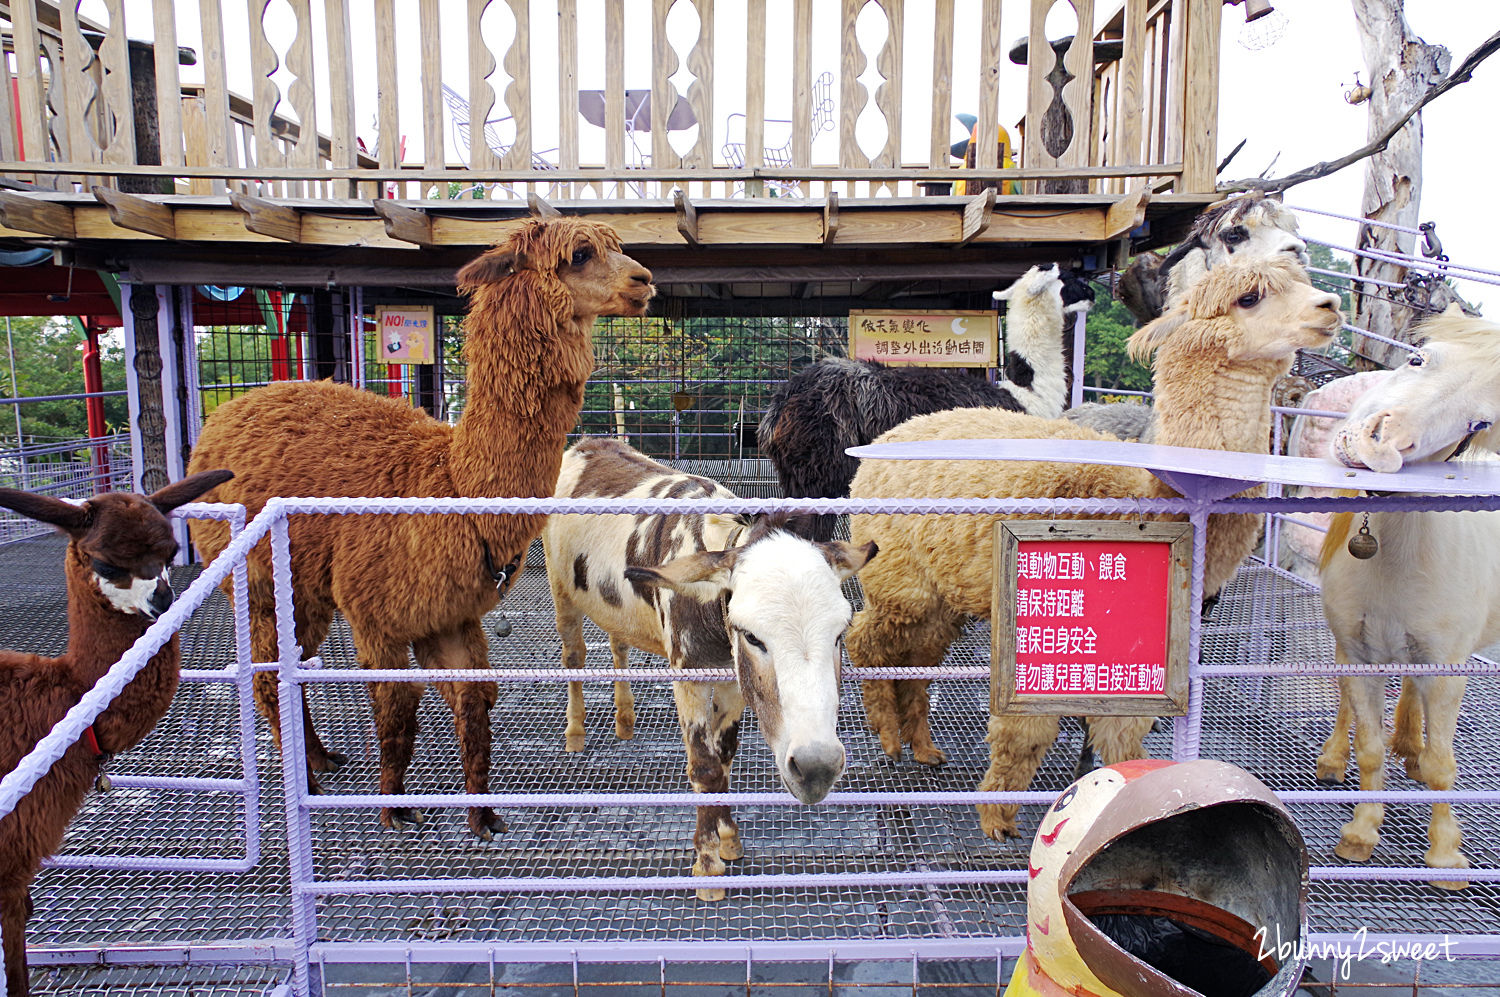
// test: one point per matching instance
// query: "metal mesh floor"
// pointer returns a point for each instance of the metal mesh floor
(1272, 726)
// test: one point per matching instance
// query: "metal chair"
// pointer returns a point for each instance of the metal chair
(781, 155)
(458, 111)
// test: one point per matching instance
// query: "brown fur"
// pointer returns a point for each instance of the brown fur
(130, 533)
(1216, 361)
(419, 582)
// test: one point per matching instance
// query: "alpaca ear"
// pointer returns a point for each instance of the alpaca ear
(845, 558)
(1149, 338)
(188, 489)
(490, 268)
(703, 576)
(70, 518)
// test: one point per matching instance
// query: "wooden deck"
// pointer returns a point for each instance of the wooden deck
(115, 156)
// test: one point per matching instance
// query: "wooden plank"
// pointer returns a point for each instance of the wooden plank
(687, 217)
(802, 135)
(1083, 225)
(1130, 86)
(614, 84)
(404, 223)
(168, 85)
(136, 213)
(567, 84)
(888, 95)
(755, 86)
(481, 94)
(28, 48)
(852, 94)
(32, 214)
(76, 54)
(664, 65)
(518, 92)
(263, 90)
(1176, 81)
(118, 145)
(977, 215)
(831, 218)
(220, 147)
(1200, 113)
(991, 57)
(388, 144)
(269, 218)
(344, 147)
(434, 149)
(539, 206)
(938, 153)
(1126, 214)
(301, 92)
(195, 142)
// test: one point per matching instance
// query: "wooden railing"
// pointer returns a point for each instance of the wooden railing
(251, 117)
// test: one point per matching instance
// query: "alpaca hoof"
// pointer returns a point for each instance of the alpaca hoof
(712, 896)
(994, 822)
(624, 731)
(1351, 850)
(398, 818)
(891, 745)
(327, 761)
(485, 823)
(730, 849)
(1331, 773)
(1414, 770)
(928, 754)
(574, 742)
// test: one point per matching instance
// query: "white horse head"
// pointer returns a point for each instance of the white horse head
(1447, 391)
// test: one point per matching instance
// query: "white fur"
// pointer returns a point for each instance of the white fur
(132, 598)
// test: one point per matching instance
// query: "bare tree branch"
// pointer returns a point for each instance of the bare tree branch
(1461, 75)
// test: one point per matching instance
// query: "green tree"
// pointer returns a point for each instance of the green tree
(47, 357)
(1105, 364)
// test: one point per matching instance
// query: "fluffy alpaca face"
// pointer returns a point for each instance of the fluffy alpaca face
(604, 281)
(1426, 406)
(128, 547)
(1253, 228)
(584, 256)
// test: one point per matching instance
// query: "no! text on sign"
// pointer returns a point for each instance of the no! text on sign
(1091, 618)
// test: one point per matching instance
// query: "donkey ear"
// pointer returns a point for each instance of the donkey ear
(845, 558)
(70, 518)
(188, 489)
(703, 576)
(491, 268)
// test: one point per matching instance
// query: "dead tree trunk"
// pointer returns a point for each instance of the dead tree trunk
(1401, 68)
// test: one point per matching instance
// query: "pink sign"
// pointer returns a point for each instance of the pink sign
(1092, 618)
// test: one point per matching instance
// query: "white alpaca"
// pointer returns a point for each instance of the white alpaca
(1431, 592)
(1033, 324)
(1217, 357)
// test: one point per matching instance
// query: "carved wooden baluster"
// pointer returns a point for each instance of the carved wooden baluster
(481, 95)
(33, 115)
(344, 149)
(434, 149)
(80, 94)
(567, 91)
(518, 92)
(219, 145)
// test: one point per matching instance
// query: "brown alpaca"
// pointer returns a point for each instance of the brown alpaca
(421, 581)
(116, 569)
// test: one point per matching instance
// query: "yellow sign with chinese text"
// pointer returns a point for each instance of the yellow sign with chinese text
(407, 335)
(939, 339)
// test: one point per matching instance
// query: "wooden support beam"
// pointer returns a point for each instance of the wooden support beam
(687, 217)
(540, 206)
(831, 218)
(1127, 214)
(269, 218)
(977, 214)
(406, 224)
(32, 214)
(136, 213)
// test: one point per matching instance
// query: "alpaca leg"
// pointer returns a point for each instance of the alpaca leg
(1333, 762)
(1407, 741)
(1441, 697)
(1119, 739)
(1017, 746)
(471, 703)
(913, 702)
(574, 655)
(624, 699)
(881, 714)
(395, 707)
(1365, 695)
(15, 911)
(709, 722)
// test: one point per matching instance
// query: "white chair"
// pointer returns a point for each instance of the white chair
(781, 155)
(494, 137)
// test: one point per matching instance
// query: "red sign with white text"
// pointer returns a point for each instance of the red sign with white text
(1091, 617)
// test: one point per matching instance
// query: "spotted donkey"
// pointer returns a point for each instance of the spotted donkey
(706, 591)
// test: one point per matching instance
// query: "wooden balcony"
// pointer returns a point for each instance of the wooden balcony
(781, 127)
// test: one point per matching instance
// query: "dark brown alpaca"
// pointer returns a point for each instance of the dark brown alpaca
(116, 569)
(421, 581)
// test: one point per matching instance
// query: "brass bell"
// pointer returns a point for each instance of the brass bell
(1363, 544)
(103, 783)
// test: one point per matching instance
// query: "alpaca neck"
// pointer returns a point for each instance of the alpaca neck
(99, 636)
(525, 392)
(1234, 415)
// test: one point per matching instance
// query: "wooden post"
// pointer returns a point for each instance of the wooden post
(1200, 109)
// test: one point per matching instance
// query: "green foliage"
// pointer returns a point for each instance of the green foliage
(1322, 257)
(1105, 364)
(231, 359)
(48, 358)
